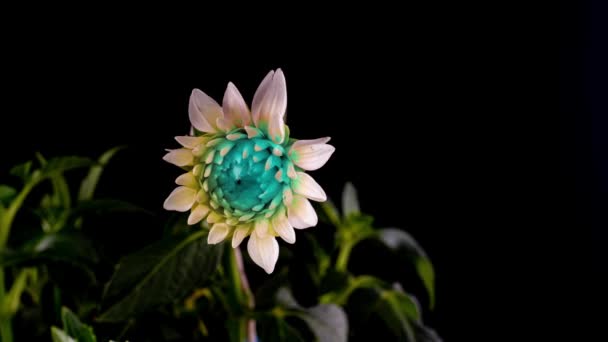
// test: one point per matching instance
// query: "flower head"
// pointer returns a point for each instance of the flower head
(245, 174)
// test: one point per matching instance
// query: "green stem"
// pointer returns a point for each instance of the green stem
(6, 329)
(9, 215)
(6, 221)
(244, 285)
(343, 256)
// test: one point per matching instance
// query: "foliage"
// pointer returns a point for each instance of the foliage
(179, 288)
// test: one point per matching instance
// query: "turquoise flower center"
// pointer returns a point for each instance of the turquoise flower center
(247, 177)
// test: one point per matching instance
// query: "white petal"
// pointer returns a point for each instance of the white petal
(311, 154)
(305, 142)
(240, 233)
(308, 187)
(271, 108)
(180, 157)
(260, 93)
(198, 213)
(301, 214)
(189, 141)
(276, 115)
(282, 227)
(264, 251)
(236, 112)
(218, 233)
(204, 112)
(261, 228)
(253, 251)
(181, 199)
(187, 179)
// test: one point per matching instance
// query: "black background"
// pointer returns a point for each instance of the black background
(444, 117)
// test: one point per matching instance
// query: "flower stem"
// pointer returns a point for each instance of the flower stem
(6, 221)
(251, 330)
(6, 329)
(343, 256)
(9, 215)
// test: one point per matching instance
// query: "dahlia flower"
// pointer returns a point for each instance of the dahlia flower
(244, 174)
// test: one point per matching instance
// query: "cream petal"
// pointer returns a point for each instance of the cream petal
(187, 179)
(281, 226)
(204, 112)
(264, 251)
(306, 186)
(287, 196)
(236, 112)
(240, 233)
(261, 228)
(180, 157)
(291, 171)
(189, 141)
(301, 214)
(259, 95)
(199, 211)
(276, 129)
(180, 199)
(214, 217)
(305, 142)
(197, 170)
(277, 108)
(218, 233)
(271, 108)
(252, 249)
(252, 132)
(201, 196)
(311, 154)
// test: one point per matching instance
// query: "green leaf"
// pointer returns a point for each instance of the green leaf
(330, 210)
(273, 329)
(59, 335)
(319, 269)
(285, 299)
(404, 244)
(72, 248)
(7, 194)
(350, 202)
(89, 183)
(61, 164)
(107, 206)
(328, 322)
(22, 171)
(401, 303)
(54, 210)
(13, 297)
(425, 334)
(159, 274)
(399, 311)
(76, 329)
(265, 293)
(62, 191)
(427, 274)
(341, 295)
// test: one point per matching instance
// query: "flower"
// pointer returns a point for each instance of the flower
(245, 174)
